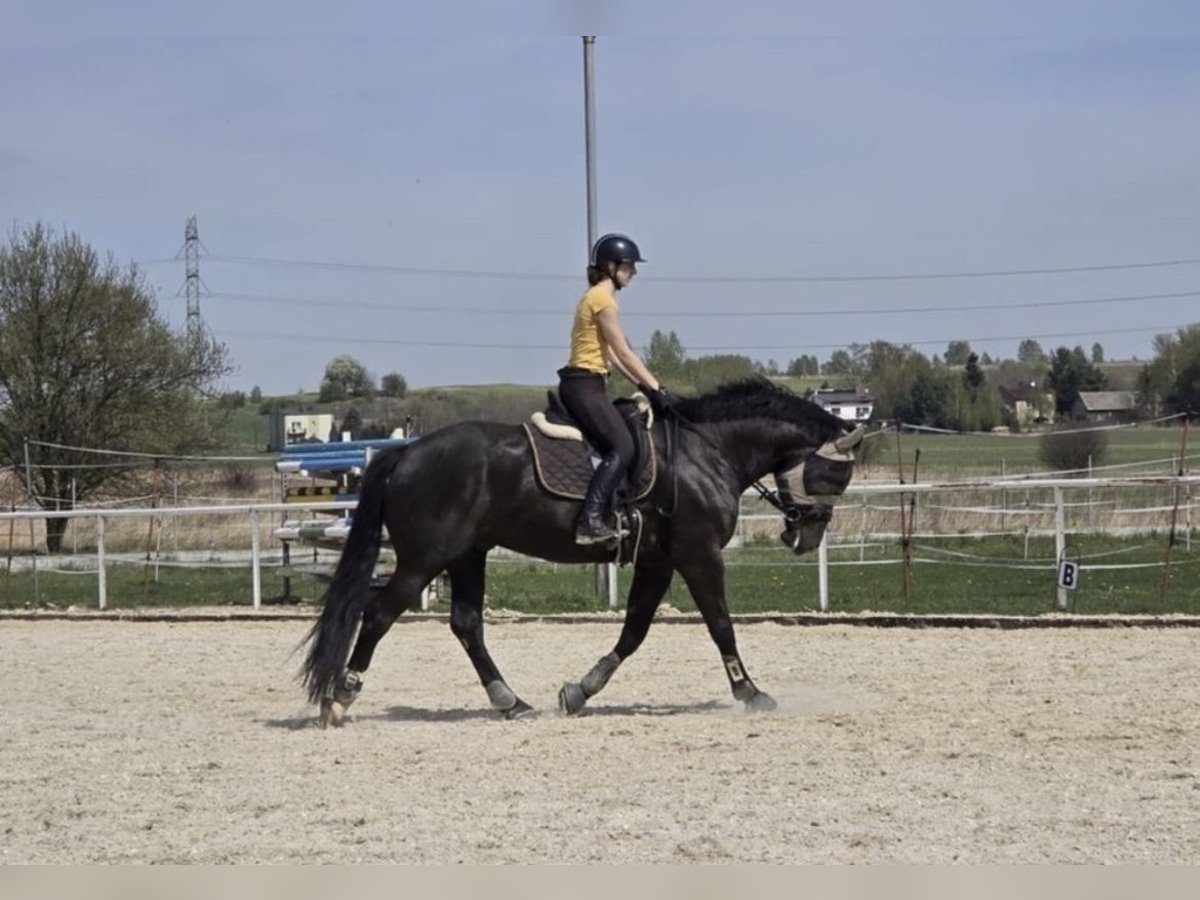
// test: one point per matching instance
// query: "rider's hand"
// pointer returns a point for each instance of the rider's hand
(661, 402)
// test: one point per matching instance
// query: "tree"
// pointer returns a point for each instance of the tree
(1171, 381)
(346, 376)
(957, 353)
(1097, 352)
(1030, 351)
(707, 372)
(393, 384)
(804, 365)
(973, 375)
(839, 363)
(85, 360)
(1184, 396)
(665, 356)
(353, 422)
(332, 391)
(256, 394)
(928, 401)
(1070, 372)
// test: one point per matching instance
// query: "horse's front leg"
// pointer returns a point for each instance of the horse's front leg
(650, 582)
(705, 577)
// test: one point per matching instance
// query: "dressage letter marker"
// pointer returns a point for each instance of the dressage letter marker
(1068, 574)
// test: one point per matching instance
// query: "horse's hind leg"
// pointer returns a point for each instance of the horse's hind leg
(650, 583)
(402, 592)
(466, 621)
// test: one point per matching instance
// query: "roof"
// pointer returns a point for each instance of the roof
(1107, 401)
(1011, 393)
(842, 396)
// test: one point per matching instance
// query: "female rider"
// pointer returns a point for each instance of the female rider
(596, 341)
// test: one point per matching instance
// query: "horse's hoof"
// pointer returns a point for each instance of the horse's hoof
(518, 710)
(761, 702)
(333, 714)
(571, 698)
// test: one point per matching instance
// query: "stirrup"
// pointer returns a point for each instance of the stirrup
(607, 536)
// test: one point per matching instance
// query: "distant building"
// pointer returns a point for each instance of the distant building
(1030, 404)
(298, 428)
(1105, 406)
(850, 405)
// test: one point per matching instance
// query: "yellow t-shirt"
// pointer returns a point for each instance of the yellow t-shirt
(589, 350)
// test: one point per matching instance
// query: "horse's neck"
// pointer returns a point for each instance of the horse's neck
(754, 448)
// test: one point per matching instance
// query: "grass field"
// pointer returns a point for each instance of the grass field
(952, 575)
(942, 456)
(952, 455)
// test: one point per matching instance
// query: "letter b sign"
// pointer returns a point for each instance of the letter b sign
(1068, 574)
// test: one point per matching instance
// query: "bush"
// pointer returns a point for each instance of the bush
(1073, 449)
(332, 391)
(237, 480)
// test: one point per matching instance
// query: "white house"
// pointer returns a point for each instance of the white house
(851, 405)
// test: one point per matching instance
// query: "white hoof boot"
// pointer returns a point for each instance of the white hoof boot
(334, 706)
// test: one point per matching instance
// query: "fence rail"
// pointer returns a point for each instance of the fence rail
(850, 527)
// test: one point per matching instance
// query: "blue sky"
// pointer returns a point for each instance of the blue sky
(729, 158)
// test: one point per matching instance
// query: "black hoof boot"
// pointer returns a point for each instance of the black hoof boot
(509, 704)
(571, 698)
(519, 710)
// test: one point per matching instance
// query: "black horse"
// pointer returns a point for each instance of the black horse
(450, 497)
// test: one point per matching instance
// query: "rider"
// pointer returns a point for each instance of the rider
(596, 341)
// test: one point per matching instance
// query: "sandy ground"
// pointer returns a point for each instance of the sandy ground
(177, 742)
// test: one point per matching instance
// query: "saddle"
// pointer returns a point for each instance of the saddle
(563, 460)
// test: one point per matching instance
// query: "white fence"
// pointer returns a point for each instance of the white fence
(852, 523)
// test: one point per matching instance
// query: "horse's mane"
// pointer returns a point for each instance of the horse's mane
(757, 398)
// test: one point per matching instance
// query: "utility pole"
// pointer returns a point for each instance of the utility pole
(589, 131)
(605, 575)
(193, 283)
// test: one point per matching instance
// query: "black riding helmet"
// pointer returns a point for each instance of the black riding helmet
(614, 248)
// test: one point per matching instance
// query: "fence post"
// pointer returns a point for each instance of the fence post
(823, 572)
(255, 572)
(1003, 495)
(613, 598)
(862, 531)
(1026, 526)
(102, 580)
(1060, 546)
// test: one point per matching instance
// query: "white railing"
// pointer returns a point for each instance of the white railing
(255, 512)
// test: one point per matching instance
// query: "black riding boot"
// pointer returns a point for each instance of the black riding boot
(592, 527)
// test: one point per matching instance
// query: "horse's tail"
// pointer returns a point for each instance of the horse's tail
(348, 593)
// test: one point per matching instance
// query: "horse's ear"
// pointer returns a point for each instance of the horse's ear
(848, 442)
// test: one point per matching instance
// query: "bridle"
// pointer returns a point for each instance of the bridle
(794, 513)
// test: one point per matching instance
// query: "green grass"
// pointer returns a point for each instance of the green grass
(246, 432)
(136, 586)
(951, 575)
(992, 454)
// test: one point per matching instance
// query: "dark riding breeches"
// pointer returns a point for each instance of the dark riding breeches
(583, 395)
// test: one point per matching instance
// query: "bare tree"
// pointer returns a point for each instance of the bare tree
(85, 361)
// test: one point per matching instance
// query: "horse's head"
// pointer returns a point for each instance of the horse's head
(810, 487)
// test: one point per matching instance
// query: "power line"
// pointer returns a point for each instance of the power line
(687, 279)
(695, 314)
(795, 345)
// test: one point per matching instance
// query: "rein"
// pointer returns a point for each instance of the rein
(792, 513)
